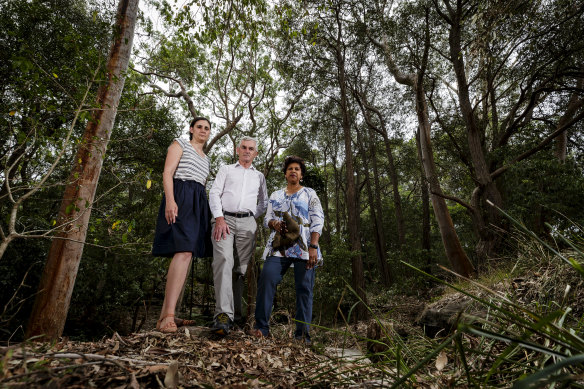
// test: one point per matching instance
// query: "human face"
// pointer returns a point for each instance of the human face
(201, 130)
(247, 151)
(293, 173)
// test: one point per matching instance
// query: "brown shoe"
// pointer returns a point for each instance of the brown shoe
(183, 322)
(255, 332)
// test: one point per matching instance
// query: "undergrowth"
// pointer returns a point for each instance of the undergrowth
(523, 330)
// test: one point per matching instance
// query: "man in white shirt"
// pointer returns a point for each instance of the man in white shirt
(238, 196)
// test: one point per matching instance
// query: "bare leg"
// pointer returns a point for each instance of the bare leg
(177, 273)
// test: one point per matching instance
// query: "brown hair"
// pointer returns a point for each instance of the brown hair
(193, 124)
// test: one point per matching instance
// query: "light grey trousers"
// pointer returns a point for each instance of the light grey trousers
(230, 259)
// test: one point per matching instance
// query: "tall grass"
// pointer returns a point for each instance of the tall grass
(526, 336)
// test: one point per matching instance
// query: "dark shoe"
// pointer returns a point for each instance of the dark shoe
(222, 325)
(300, 339)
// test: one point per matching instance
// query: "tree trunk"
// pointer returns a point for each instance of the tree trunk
(399, 218)
(56, 286)
(573, 105)
(375, 214)
(454, 251)
(358, 280)
(475, 134)
(426, 242)
(326, 233)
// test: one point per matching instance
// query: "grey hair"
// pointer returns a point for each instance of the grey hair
(244, 138)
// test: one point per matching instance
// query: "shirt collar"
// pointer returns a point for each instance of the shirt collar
(237, 164)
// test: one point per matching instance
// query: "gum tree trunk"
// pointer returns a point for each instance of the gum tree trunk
(56, 286)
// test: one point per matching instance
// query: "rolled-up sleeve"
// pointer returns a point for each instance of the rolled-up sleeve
(315, 213)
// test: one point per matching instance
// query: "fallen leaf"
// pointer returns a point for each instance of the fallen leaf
(156, 368)
(441, 361)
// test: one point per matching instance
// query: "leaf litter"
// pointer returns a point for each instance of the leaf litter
(190, 358)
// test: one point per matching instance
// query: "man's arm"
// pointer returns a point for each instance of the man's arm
(216, 192)
(221, 228)
(262, 197)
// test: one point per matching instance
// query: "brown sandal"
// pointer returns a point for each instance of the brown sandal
(169, 328)
(255, 332)
(183, 322)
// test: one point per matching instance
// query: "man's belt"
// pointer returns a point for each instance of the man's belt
(238, 215)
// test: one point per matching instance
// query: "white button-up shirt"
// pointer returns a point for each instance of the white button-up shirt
(237, 189)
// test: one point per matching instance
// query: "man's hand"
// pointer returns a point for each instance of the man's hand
(170, 211)
(221, 229)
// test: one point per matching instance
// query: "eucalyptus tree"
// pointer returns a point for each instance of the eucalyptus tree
(56, 286)
(408, 64)
(370, 94)
(513, 79)
(319, 45)
(216, 60)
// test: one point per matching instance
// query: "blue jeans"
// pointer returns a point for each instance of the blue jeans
(271, 275)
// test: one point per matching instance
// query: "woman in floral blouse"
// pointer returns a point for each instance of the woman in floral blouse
(296, 219)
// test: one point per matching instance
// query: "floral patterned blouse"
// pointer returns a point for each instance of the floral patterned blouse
(304, 207)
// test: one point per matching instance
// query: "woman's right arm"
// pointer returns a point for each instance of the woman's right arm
(271, 220)
(170, 165)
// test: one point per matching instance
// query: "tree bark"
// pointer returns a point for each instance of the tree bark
(573, 105)
(56, 286)
(358, 278)
(454, 251)
(426, 241)
(452, 246)
(475, 134)
(375, 214)
(365, 107)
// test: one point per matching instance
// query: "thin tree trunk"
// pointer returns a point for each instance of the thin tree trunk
(475, 134)
(573, 105)
(426, 242)
(454, 251)
(56, 286)
(358, 280)
(326, 233)
(365, 107)
(375, 214)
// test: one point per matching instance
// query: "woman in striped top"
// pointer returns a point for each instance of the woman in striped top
(183, 224)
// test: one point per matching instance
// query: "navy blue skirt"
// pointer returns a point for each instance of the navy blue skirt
(192, 230)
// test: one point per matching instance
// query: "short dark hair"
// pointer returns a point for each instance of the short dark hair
(294, 159)
(196, 119)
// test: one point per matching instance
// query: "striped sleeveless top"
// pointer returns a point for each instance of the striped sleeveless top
(192, 166)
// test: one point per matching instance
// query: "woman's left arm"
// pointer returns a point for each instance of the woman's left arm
(313, 251)
(316, 215)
